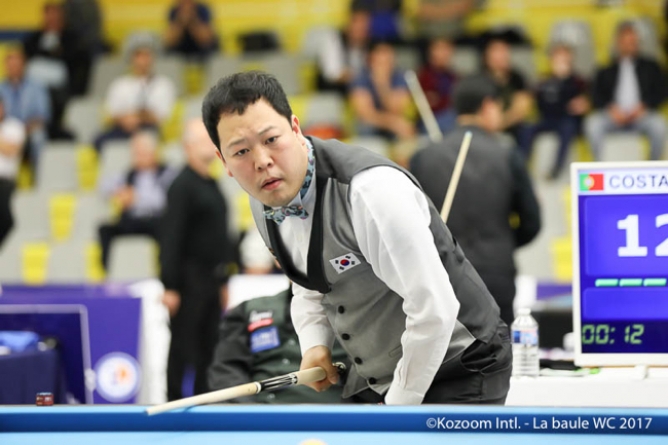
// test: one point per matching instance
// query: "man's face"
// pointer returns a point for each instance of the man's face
(498, 56)
(142, 61)
(440, 54)
(144, 156)
(265, 153)
(627, 42)
(14, 64)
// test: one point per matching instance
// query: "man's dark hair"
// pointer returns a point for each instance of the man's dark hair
(471, 92)
(233, 94)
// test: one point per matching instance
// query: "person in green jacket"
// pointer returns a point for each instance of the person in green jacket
(257, 341)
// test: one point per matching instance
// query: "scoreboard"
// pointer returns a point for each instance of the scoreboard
(620, 260)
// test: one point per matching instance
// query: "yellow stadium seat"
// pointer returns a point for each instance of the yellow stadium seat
(61, 211)
(35, 257)
(173, 127)
(562, 258)
(87, 167)
(245, 215)
(94, 270)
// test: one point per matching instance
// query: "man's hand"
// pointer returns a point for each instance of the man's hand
(320, 356)
(172, 301)
(637, 113)
(125, 197)
(618, 116)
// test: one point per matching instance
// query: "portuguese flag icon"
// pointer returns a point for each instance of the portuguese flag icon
(591, 182)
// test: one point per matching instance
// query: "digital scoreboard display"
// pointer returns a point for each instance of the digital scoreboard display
(620, 259)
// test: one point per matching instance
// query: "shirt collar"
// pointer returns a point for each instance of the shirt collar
(306, 195)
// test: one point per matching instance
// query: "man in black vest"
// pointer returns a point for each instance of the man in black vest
(494, 187)
(257, 341)
(373, 265)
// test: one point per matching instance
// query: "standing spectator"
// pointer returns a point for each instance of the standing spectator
(27, 101)
(385, 18)
(380, 97)
(83, 18)
(627, 95)
(513, 89)
(437, 80)
(141, 194)
(494, 185)
(562, 102)
(341, 56)
(257, 342)
(190, 32)
(12, 140)
(194, 252)
(53, 55)
(142, 99)
(443, 18)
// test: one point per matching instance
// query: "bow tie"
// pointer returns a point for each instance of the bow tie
(279, 215)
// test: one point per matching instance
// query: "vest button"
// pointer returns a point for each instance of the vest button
(372, 381)
(345, 336)
(341, 309)
(358, 360)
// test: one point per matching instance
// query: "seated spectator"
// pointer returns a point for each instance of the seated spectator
(190, 32)
(53, 54)
(562, 102)
(140, 193)
(27, 101)
(437, 80)
(12, 140)
(627, 95)
(142, 99)
(380, 98)
(257, 341)
(83, 18)
(341, 56)
(443, 18)
(513, 89)
(385, 18)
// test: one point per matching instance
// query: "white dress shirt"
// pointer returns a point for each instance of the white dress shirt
(12, 131)
(129, 94)
(627, 92)
(391, 218)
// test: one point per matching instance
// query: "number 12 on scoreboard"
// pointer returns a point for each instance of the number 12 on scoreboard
(633, 247)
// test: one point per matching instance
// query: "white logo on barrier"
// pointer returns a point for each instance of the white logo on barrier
(118, 377)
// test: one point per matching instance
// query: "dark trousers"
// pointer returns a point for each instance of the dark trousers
(480, 376)
(194, 330)
(567, 128)
(6, 218)
(125, 226)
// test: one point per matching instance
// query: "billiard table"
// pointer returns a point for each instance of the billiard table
(331, 425)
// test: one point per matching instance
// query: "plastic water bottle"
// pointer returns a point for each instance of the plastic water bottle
(526, 360)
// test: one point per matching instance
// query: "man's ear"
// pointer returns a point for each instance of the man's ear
(296, 128)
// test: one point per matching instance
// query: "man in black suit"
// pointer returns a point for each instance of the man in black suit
(494, 186)
(626, 95)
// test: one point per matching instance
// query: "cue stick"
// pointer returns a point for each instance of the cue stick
(423, 107)
(302, 377)
(456, 173)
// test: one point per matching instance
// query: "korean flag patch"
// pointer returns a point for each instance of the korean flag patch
(344, 262)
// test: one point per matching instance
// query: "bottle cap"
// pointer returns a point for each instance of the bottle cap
(524, 311)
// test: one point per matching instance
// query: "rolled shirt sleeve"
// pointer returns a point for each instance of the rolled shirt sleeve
(391, 219)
